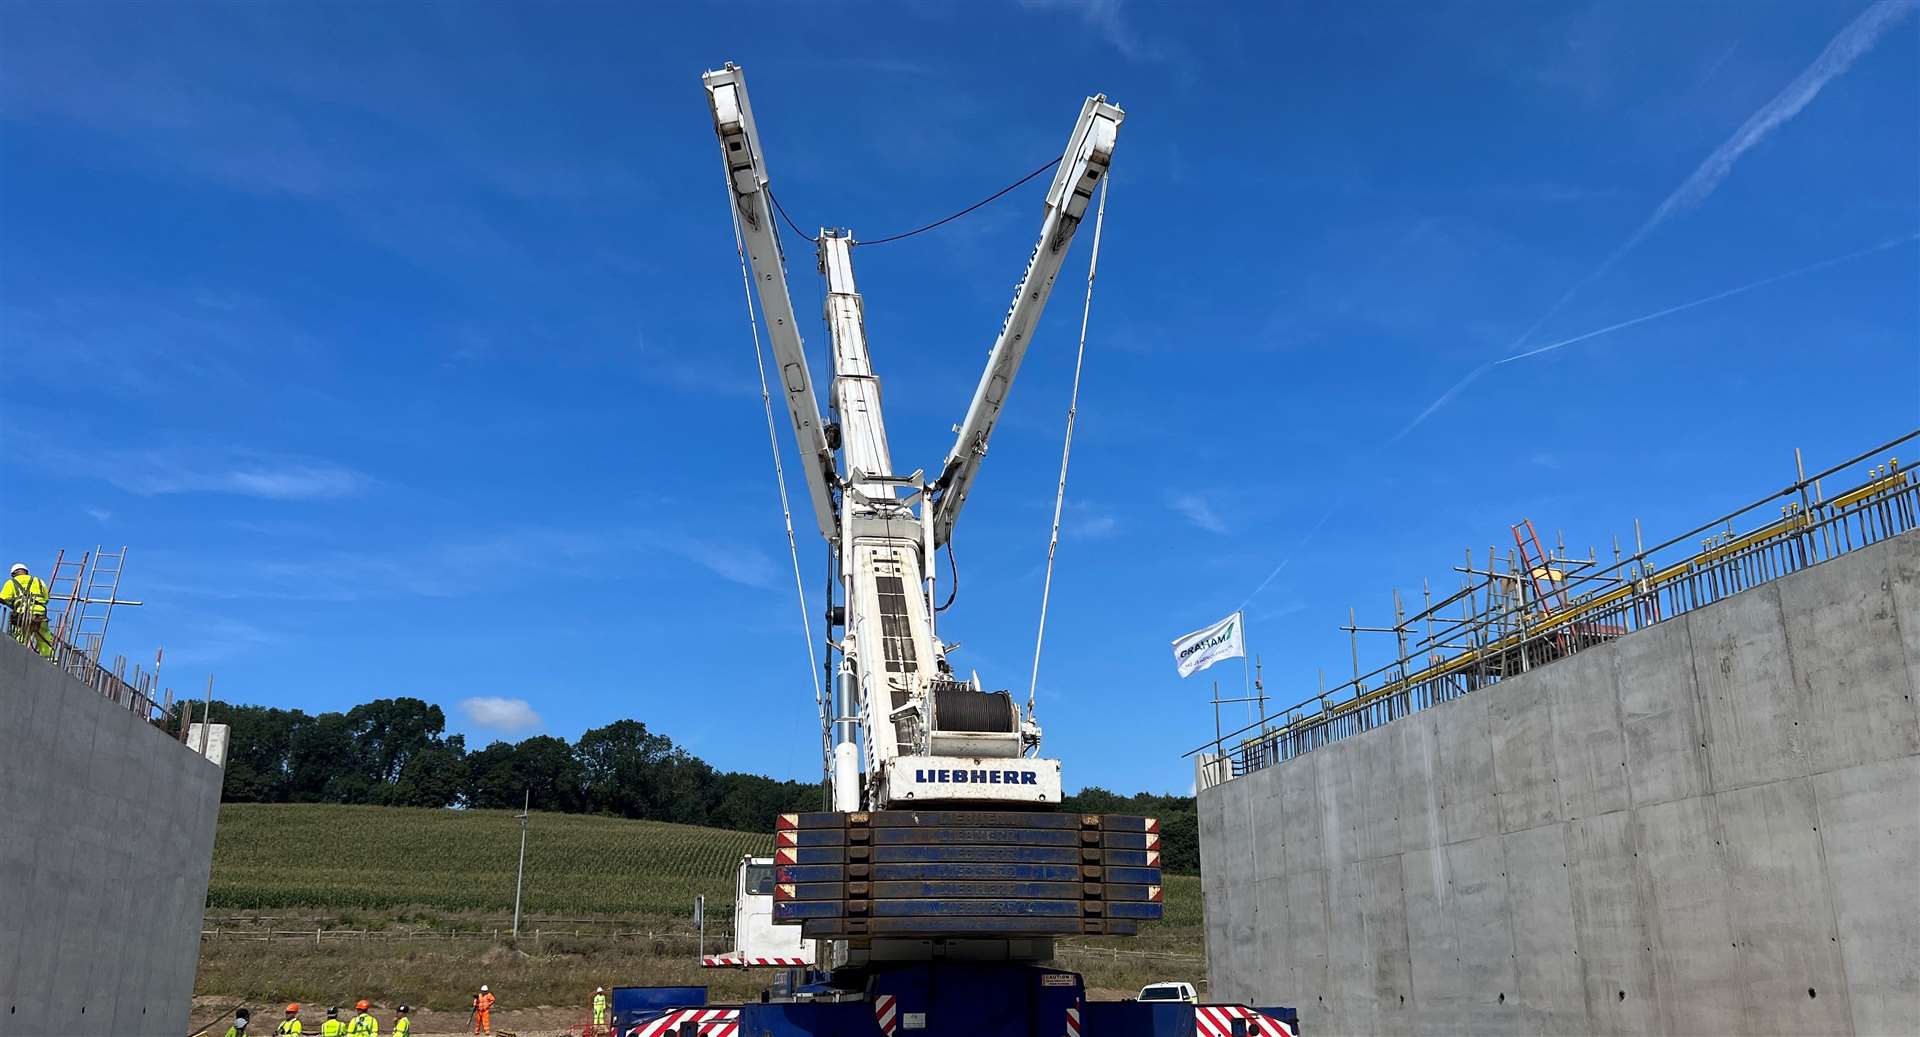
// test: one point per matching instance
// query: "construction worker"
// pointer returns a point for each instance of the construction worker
(26, 595)
(402, 1026)
(291, 1026)
(483, 1011)
(333, 1027)
(240, 1018)
(364, 1024)
(599, 1008)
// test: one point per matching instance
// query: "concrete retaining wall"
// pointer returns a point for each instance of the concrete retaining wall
(1708, 827)
(106, 839)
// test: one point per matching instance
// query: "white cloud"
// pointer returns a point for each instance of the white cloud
(1087, 522)
(158, 472)
(1105, 17)
(1198, 511)
(299, 482)
(101, 515)
(744, 565)
(507, 716)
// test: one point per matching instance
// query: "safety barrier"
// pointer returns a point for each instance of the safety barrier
(1511, 634)
(133, 690)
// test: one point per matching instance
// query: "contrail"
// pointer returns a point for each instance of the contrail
(1473, 375)
(1338, 500)
(1470, 377)
(1841, 52)
(1715, 297)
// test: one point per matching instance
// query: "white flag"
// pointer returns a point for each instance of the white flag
(1202, 648)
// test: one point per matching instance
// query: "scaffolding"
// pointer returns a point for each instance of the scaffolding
(83, 589)
(1537, 607)
(79, 616)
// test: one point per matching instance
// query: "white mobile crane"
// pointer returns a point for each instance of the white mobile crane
(930, 894)
(929, 737)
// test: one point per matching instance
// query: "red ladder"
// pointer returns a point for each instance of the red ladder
(1549, 584)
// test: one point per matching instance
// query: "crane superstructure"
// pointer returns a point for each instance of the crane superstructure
(906, 729)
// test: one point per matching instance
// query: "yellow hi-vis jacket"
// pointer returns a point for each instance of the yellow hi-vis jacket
(25, 591)
(290, 1028)
(599, 1009)
(332, 1028)
(402, 1027)
(363, 1024)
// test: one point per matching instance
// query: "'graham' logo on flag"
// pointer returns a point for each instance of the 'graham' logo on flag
(1226, 639)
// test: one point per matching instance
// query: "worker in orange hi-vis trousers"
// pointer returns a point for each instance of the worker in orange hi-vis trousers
(483, 1011)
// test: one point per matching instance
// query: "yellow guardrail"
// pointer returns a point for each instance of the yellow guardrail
(1895, 481)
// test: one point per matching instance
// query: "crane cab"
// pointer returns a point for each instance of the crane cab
(756, 940)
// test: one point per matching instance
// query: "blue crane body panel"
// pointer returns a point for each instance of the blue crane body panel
(1136, 1019)
(939, 999)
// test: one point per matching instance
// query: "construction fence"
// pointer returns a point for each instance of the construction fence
(1537, 607)
(663, 941)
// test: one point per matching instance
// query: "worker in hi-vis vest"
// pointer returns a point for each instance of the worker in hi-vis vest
(483, 1011)
(26, 595)
(402, 1026)
(241, 1017)
(291, 1027)
(334, 1026)
(599, 1007)
(364, 1024)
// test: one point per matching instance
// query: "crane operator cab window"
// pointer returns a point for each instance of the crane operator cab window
(759, 880)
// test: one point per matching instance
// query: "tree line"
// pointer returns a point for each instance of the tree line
(396, 752)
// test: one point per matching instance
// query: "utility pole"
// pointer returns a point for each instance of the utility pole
(520, 874)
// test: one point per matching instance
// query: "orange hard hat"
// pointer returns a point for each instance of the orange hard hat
(293, 1009)
(361, 1004)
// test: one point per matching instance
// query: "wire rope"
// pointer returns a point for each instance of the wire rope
(780, 480)
(995, 196)
(902, 236)
(1066, 448)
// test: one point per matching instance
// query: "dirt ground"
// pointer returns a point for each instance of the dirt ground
(215, 1015)
(212, 1015)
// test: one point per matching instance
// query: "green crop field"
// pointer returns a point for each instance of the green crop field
(413, 876)
(330, 857)
(372, 859)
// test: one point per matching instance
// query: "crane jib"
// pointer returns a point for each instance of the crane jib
(900, 727)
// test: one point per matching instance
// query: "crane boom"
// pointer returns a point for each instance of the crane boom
(1088, 153)
(906, 729)
(910, 741)
(748, 185)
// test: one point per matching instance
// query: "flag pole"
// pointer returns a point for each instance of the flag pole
(1246, 680)
(1217, 750)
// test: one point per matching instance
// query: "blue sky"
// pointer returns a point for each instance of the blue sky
(405, 346)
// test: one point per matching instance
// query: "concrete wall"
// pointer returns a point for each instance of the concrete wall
(106, 839)
(1709, 827)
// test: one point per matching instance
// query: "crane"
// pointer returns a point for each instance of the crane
(907, 730)
(929, 897)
